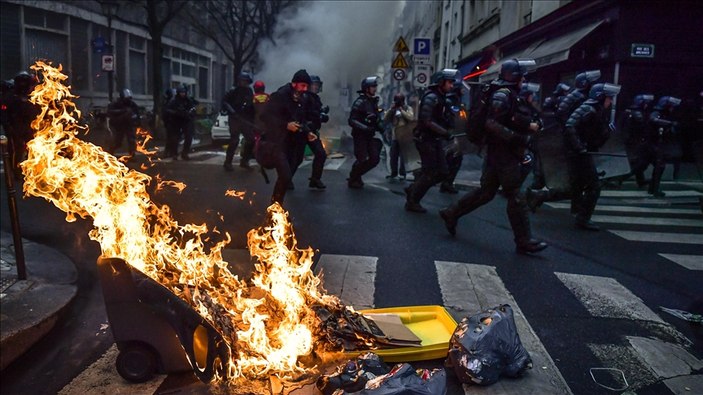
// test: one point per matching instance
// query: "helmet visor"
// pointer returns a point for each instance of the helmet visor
(611, 90)
(526, 65)
(674, 101)
(531, 87)
(593, 75)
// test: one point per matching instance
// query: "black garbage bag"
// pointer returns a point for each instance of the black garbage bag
(405, 380)
(353, 375)
(486, 345)
(368, 375)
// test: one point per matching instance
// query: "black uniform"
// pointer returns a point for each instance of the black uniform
(277, 147)
(364, 121)
(507, 140)
(239, 105)
(434, 119)
(315, 117)
(569, 103)
(639, 151)
(585, 131)
(124, 117)
(454, 159)
(664, 145)
(181, 114)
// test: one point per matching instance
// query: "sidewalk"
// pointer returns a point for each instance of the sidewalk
(31, 307)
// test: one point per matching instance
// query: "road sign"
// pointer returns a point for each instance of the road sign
(399, 74)
(400, 45)
(399, 62)
(421, 74)
(108, 63)
(422, 46)
(421, 59)
(642, 51)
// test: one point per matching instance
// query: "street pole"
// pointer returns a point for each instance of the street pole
(110, 46)
(14, 215)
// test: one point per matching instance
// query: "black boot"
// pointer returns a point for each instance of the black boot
(317, 183)
(586, 224)
(448, 187)
(655, 184)
(450, 221)
(355, 183)
(530, 246)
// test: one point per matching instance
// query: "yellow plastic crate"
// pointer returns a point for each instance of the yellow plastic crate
(432, 324)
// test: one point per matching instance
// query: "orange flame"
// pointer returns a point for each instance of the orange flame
(238, 194)
(269, 322)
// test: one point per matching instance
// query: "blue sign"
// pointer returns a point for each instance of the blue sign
(422, 46)
(100, 44)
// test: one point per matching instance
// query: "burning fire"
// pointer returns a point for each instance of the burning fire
(269, 323)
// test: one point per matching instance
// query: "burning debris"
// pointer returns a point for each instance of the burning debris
(281, 323)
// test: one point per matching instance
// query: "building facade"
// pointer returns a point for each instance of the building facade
(75, 35)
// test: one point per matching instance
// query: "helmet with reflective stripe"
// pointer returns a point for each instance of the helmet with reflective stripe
(585, 79)
(601, 91)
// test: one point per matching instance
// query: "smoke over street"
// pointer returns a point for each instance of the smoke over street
(341, 41)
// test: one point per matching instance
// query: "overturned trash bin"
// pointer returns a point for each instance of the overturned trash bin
(486, 345)
(155, 331)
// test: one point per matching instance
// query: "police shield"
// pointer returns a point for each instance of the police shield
(405, 137)
(552, 153)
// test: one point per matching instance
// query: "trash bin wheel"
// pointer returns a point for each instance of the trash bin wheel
(136, 363)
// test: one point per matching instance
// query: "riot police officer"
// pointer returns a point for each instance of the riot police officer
(181, 113)
(663, 139)
(239, 105)
(552, 102)
(316, 116)
(124, 118)
(527, 110)
(453, 155)
(20, 113)
(365, 121)
(639, 151)
(507, 138)
(586, 130)
(434, 122)
(582, 87)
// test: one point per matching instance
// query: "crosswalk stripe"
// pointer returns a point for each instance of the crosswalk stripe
(632, 209)
(689, 193)
(606, 297)
(660, 237)
(692, 262)
(611, 219)
(468, 289)
(102, 378)
(330, 164)
(350, 277)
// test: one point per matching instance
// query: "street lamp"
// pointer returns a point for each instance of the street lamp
(109, 9)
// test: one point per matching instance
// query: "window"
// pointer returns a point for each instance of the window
(46, 45)
(45, 19)
(137, 72)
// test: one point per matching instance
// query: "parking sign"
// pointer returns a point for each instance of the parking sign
(422, 46)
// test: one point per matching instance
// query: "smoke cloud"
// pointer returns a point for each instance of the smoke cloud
(341, 41)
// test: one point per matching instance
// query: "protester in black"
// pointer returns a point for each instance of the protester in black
(277, 147)
(507, 139)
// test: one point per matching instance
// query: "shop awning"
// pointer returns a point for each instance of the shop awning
(546, 52)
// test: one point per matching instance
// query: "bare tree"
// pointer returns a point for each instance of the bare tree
(237, 26)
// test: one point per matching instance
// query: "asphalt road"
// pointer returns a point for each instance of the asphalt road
(570, 293)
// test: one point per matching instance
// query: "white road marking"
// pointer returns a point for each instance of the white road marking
(350, 277)
(633, 209)
(612, 219)
(606, 297)
(630, 194)
(660, 237)
(692, 262)
(466, 290)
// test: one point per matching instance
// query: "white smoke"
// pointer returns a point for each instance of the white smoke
(340, 41)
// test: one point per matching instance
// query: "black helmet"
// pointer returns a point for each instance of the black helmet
(24, 81)
(182, 89)
(600, 91)
(642, 101)
(245, 76)
(126, 94)
(315, 79)
(443, 75)
(667, 103)
(369, 82)
(513, 70)
(561, 89)
(7, 85)
(529, 88)
(585, 79)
